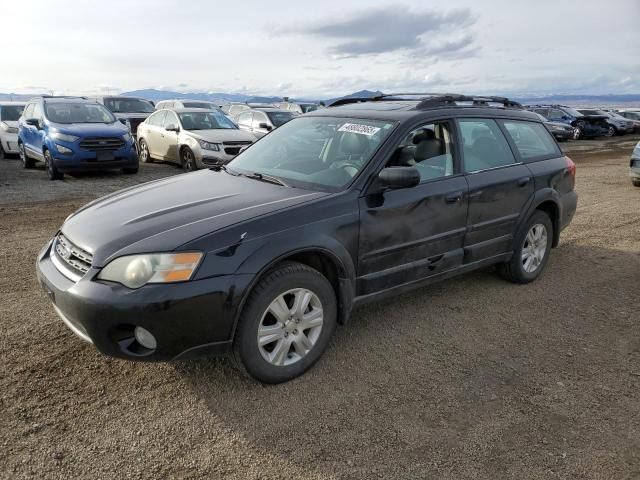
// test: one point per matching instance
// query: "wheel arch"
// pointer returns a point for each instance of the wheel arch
(551, 206)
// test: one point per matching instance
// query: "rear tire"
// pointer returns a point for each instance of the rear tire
(286, 323)
(52, 172)
(24, 158)
(531, 254)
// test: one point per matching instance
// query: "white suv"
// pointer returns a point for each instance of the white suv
(10, 112)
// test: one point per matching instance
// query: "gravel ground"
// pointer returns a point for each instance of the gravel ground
(470, 378)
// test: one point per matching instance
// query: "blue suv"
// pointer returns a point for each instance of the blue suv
(73, 134)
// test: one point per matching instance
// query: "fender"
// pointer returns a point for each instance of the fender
(544, 195)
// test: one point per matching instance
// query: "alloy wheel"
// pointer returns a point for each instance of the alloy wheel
(188, 162)
(534, 248)
(23, 154)
(290, 327)
(577, 133)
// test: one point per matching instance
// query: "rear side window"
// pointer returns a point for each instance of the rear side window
(483, 145)
(532, 140)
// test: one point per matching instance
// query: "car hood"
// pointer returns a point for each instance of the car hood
(165, 214)
(221, 135)
(91, 129)
(142, 116)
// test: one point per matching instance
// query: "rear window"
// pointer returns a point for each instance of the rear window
(532, 140)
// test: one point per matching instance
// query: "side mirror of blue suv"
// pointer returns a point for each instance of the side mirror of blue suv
(73, 134)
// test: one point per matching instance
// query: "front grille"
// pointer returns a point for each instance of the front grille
(95, 144)
(234, 150)
(74, 259)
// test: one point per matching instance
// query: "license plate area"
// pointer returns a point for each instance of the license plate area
(105, 156)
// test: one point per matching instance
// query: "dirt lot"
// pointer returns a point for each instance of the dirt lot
(470, 378)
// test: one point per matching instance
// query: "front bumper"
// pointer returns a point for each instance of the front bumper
(563, 134)
(187, 319)
(9, 142)
(209, 158)
(86, 160)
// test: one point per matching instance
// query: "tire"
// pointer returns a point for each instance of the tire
(24, 158)
(52, 172)
(143, 154)
(577, 133)
(188, 160)
(611, 131)
(527, 263)
(2, 156)
(130, 170)
(636, 183)
(293, 349)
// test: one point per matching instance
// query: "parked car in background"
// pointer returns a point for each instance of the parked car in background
(586, 126)
(617, 125)
(633, 116)
(129, 110)
(233, 109)
(9, 114)
(74, 134)
(191, 137)
(164, 104)
(260, 121)
(634, 166)
(298, 107)
(561, 131)
(336, 208)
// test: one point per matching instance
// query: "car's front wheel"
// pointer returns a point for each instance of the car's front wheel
(286, 324)
(533, 246)
(188, 159)
(52, 172)
(577, 133)
(24, 158)
(144, 155)
(611, 131)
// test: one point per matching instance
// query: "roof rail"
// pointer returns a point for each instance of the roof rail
(61, 96)
(430, 100)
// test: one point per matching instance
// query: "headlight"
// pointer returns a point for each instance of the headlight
(64, 137)
(134, 271)
(7, 128)
(209, 146)
(63, 149)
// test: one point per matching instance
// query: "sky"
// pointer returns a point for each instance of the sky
(321, 49)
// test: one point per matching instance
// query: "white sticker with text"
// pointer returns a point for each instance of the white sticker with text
(358, 128)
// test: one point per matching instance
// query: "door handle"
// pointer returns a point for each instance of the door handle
(523, 181)
(453, 197)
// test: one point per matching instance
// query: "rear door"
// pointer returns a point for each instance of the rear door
(500, 188)
(413, 233)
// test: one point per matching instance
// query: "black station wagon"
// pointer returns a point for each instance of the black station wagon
(348, 204)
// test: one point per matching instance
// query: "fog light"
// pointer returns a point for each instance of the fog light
(63, 149)
(145, 338)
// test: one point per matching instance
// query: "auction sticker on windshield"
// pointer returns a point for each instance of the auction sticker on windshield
(359, 128)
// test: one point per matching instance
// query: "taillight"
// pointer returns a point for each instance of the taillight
(571, 167)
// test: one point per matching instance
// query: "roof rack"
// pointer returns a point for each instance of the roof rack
(44, 97)
(430, 100)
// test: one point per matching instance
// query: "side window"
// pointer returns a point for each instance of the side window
(258, 118)
(483, 145)
(428, 148)
(532, 139)
(37, 111)
(542, 111)
(171, 118)
(555, 114)
(28, 112)
(244, 119)
(157, 118)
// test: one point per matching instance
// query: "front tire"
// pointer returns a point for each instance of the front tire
(24, 158)
(188, 160)
(52, 172)
(636, 183)
(286, 324)
(611, 131)
(144, 155)
(533, 246)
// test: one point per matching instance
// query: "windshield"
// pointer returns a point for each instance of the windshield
(572, 112)
(308, 107)
(280, 118)
(318, 153)
(205, 120)
(11, 113)
(78, 113)
(128, 105)
(208, 106)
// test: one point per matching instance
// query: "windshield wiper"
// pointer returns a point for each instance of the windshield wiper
(265, 178)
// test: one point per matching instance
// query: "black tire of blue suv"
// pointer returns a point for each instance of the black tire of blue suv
(281, 279)
(52, 172)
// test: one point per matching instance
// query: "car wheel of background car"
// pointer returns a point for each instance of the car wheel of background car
(52, 172)
(26, 161)
(1, 153)
(636, 183)
(286, 324)
(188, 160)
(130, 170)
(533, 246)
(144, 155)
(577, 133)
(611, 131)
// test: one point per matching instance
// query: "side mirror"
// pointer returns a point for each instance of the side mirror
(172, 128)
(266, 126)
(34, 122)
(399, 177)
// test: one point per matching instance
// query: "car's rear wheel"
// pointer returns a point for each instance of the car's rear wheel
(286, 324)
(188, 159)
(144, 155)
(24, 158)
(533, 246)
(52, 172)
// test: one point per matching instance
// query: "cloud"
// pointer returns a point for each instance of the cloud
(391, 29)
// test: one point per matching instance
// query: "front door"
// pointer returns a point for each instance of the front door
(499, 188)
(413, 233)
(168, 140)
